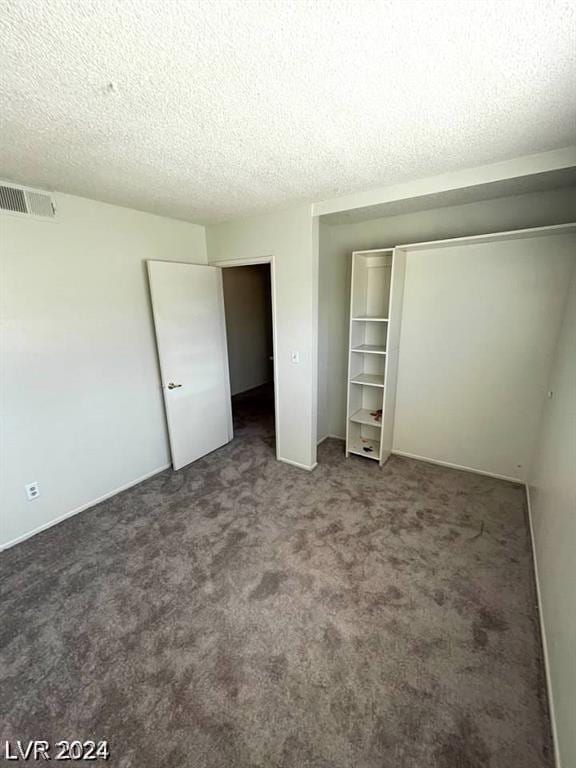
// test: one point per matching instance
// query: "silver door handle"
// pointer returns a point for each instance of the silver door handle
(173, 386)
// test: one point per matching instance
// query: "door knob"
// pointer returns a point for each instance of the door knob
(173, 386)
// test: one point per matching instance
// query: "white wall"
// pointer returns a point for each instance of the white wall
(552, 488)
(337, 243)
(247, 301)
(479, 325)
(325, 293)
(334, 274)
(289, 237)
(81, 406)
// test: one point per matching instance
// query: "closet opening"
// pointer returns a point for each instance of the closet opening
(248, 307)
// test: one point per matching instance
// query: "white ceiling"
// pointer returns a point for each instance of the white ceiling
(219, 108)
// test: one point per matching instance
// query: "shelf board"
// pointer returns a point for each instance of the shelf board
(357, 447)
(369, 380)
(370, 349)
(367, 319)
(364, 416)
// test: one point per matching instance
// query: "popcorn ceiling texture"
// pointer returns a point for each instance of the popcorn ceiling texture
(225, 108)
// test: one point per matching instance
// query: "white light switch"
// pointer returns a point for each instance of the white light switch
(295, 357)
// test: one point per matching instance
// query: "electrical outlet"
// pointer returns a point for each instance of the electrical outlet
(295, 358)
(32, 490)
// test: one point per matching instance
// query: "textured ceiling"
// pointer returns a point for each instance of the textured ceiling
(212, 109)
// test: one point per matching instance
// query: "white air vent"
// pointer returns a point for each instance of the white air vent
(26, 202)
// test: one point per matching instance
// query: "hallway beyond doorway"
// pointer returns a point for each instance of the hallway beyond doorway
(253, 414)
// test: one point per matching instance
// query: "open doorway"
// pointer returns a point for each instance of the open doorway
(249, 329)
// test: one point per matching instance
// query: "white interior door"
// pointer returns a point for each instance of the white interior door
(188, 307)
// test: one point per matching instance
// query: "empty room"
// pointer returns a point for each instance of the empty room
(288, 383)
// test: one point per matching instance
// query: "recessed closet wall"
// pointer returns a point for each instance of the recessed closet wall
(492, 309)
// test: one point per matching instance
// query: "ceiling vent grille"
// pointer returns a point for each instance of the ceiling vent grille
(27, 202)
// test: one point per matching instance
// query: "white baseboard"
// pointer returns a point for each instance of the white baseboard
(307, 467)
(557, 758)
(331, 437)
(457, 466)
(88, 504)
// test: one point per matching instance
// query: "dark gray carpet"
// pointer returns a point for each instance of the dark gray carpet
(244, 613)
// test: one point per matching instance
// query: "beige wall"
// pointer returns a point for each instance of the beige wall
(81, 405)
(247, 301)
(288, 237)
(552, 489)
(337, 243)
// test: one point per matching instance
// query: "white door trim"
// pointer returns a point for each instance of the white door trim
(247, 262)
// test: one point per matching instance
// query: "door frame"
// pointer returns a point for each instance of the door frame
(247, 262)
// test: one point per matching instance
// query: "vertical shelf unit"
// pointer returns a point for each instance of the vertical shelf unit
(375, 312)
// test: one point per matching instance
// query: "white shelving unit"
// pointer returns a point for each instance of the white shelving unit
(375, 313)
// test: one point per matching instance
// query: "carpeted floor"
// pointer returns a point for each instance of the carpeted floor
(242, 613)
